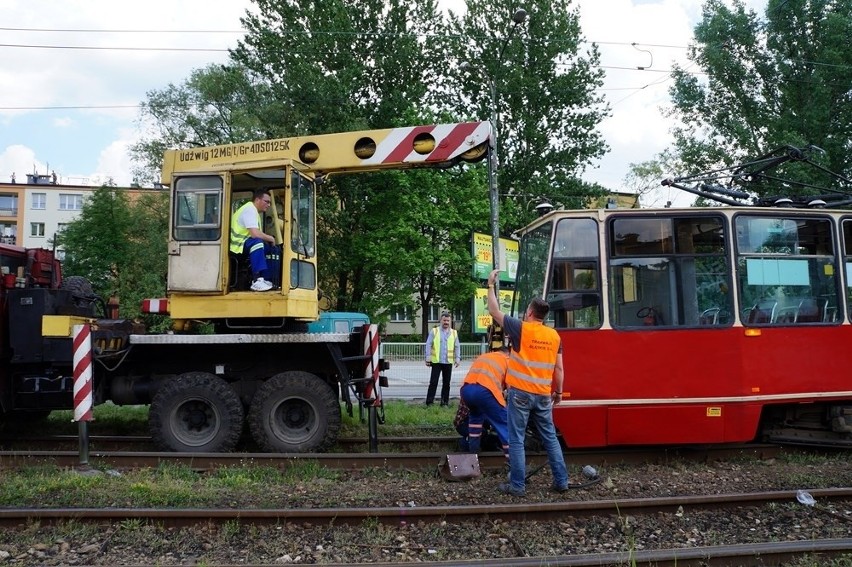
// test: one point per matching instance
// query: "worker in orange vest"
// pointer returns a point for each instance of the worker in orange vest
(534, 386)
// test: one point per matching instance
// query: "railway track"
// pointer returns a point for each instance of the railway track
(513, 517)
(539, 511)
(353, 461)
(145, 443)
(764, 553)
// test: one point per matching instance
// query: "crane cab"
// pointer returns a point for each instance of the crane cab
(209, 184)
(206, 281)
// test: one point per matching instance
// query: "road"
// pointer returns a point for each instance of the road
(409, 380)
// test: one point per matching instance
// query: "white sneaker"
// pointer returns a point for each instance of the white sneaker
(261, 284)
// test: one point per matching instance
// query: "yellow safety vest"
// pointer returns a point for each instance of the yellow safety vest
(436, 345)
(239, 233)
(531, 367)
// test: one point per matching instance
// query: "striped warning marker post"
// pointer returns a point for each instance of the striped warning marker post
(83, 386)
(371, 371)
(372, 387)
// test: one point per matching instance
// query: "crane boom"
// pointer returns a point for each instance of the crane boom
(434, 145)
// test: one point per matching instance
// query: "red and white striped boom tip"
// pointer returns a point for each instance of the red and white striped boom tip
(435, 143)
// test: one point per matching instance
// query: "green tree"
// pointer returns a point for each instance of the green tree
(219, 104)
(96, 242)
(119, 245)
(645, 178)
(347, 65)
(755, 85)
(544, 82)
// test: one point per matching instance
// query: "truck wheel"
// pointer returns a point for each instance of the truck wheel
(81, 291)
(196, 412)
(294, 412)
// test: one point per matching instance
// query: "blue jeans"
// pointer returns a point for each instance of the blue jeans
(523, 406)
(483, 405)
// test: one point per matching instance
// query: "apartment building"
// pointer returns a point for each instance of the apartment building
(32, 213)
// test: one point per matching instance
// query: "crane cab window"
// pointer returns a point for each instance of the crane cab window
(302, 231)
(198, 202)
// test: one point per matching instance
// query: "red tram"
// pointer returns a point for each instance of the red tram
(699, 325)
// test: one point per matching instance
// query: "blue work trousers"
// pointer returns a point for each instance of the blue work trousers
(256, 249)
(483, 405)
(523, 407)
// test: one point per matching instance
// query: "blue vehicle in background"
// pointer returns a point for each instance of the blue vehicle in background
(338, 322)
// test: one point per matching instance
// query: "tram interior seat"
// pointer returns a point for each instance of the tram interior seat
(809, 310)
(787, 314)
(710, 316)
(763, 312)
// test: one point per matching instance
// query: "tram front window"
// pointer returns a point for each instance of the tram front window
(574, 284)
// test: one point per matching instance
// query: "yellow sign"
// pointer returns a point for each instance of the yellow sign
(714, 412)
(483, 257)
(481, 316)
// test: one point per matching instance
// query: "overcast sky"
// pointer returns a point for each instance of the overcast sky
(73, 110)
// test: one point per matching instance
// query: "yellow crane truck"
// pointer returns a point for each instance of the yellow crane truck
(260, 366)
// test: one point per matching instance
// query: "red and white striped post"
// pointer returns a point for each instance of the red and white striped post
(83, 386)
(372, 387)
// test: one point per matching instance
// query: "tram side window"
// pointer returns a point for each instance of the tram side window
(574, 284)
(669, 271)
(786, 270)
(847, 261)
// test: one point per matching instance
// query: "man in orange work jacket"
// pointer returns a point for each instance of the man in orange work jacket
(482, 393)
(534, 385)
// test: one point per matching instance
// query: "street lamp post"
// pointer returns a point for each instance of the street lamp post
(518, 17)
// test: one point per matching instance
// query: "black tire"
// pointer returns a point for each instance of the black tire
(294, 412)
(78, 285)
(196, 412)
(81, 290)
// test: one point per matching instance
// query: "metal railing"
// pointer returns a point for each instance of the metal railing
(414, 351)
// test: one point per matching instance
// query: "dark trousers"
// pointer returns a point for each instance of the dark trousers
(445, 371)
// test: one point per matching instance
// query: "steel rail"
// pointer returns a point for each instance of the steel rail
(738, 555)
(355, 461)
(395, 515)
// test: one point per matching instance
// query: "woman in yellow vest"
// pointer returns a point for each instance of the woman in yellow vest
(534, 385)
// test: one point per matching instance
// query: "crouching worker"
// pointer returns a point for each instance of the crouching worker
(488, 441)
(482, 393)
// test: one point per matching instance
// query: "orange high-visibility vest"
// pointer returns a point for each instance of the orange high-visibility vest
(489, 370)
(531, 366)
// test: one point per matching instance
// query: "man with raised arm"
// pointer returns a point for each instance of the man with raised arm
(534, 385)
